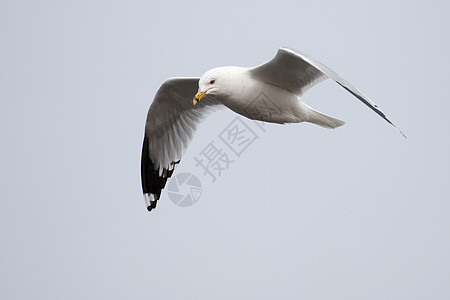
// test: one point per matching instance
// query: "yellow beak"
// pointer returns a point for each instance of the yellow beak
(198, 97)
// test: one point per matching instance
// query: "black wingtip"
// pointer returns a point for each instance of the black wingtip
(371, 105)
(152, 181)
(389, 121)
(402, 133)
(151, 200)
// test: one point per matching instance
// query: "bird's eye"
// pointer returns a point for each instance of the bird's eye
(212, 81)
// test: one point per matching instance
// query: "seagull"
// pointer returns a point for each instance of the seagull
(181, 104)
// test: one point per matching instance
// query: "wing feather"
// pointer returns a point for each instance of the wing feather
(297, 72)
(171, 124)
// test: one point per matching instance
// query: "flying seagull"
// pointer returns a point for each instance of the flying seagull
(181, 104)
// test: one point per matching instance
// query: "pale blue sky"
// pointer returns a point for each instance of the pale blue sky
(307, 213)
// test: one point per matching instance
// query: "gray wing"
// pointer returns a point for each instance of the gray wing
(297, 72)
(171, 124)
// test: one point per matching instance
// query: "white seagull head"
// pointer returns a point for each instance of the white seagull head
(217, 82)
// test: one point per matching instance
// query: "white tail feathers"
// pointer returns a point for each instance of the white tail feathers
(313, 116)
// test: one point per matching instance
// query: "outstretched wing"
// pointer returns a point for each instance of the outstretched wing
(171, 124)
(297, 72)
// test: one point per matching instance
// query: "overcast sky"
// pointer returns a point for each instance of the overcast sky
(301, 213)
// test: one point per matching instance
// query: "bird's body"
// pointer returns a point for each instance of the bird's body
(270, 93)
(263, 101)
